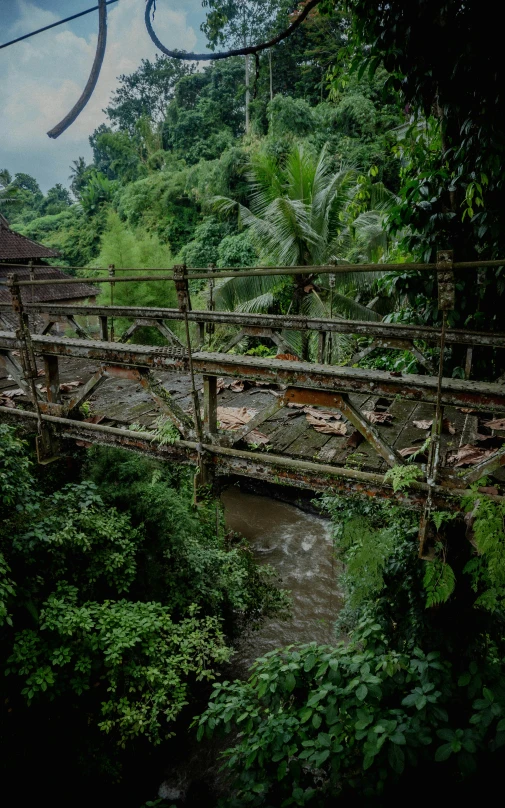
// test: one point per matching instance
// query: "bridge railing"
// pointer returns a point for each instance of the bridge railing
(386, 336)
(302, 382)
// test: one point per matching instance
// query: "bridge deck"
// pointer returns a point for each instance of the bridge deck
(123, 402)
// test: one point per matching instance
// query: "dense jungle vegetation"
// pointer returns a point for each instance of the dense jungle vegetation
(373, 133)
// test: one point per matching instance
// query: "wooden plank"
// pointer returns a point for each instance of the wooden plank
(308, 444)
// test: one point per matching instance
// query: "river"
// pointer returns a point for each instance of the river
(299, 547)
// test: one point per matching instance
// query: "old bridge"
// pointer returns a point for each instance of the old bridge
(313, 425)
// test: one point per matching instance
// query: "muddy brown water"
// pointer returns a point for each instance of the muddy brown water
(299, 547)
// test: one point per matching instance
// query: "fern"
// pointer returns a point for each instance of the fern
(487, 569)
(439, 582)
(402, 477)
(439, 517)
(166, 434)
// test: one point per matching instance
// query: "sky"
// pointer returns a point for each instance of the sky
(42, 78)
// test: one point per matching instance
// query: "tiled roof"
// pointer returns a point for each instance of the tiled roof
(15, 247)
(44, 294)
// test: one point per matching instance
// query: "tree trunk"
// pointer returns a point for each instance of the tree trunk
(247, 96)
(271, 75)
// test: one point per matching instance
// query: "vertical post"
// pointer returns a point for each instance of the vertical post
(52, 378)
(446, 302)
(182, 289)
(321, 345)
(468, 362)
(211, 303)
(201, 334)
(210, 404)
(104, 333)
(32, 278)
(112, 273)
(45, 448)
(247, 95)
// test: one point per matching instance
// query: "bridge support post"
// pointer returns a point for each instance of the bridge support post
(47, 447)
(52, 374)
(104, 330)
(446, 302)
(321, 346)
(210, 405)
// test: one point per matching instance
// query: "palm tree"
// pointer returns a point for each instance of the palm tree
(297, 218)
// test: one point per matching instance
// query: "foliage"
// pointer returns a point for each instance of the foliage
(487, 567)
(382, 577)
(439, 581)
(142, 661)
(126, 248)
(146, 92)
(187, 562)
(97, 192)
(402, 477)
(318, 722)
(296, 217)
(452, 192)
(116, 593)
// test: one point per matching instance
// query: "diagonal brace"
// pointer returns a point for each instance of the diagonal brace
(262, 416)
(85, 392)
(14, 369)
(176, 414)
(487, 466)
(79, 330)
(368, 430)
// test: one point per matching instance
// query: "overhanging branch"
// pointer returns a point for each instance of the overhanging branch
(250, 49)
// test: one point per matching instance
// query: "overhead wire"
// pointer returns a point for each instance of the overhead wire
(54, 24)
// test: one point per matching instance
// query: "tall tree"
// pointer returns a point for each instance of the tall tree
(239, 23)
(146, 93)
(445, 60)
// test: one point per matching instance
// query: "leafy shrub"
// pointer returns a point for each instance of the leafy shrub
(318, 722)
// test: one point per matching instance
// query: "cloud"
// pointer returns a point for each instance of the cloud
(42, 78)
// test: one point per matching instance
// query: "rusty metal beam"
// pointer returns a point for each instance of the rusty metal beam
(230, 272)
(273, 468)
(485, 467)
(84, 393)
(210, 404)
(457, 392)
(52, 379)
(263, 415)
(180, 419)
(13, 368)
(77, 328)
(369, 432)
(278, 322)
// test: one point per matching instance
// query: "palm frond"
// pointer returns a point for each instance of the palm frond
(235, 294)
